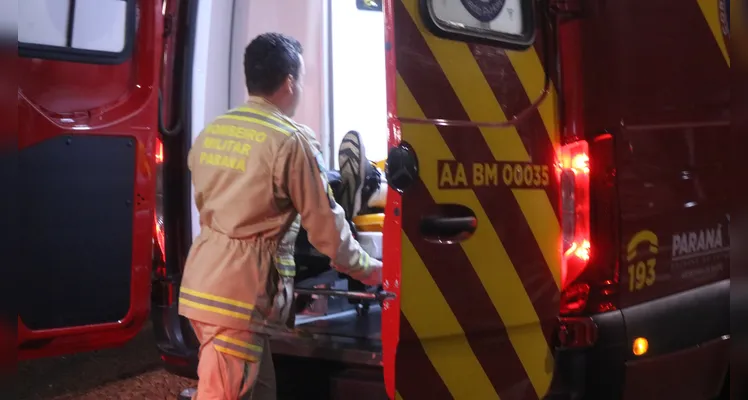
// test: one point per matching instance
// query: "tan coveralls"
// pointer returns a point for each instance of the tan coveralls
(257, 174)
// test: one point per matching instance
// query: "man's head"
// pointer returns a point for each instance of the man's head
(274, 69)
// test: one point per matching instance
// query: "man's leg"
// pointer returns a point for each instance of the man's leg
(229, 363)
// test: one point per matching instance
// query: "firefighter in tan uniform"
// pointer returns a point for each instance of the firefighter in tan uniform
(257, 174)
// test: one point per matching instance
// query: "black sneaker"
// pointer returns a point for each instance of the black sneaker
(187, 394)
(352, 161)
(372, 182)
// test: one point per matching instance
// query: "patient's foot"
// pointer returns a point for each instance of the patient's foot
(374, 193)
(352, 161)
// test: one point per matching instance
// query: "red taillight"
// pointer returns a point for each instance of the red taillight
(589, 267)
(158, 229)
(159, 239)
(574, 169)
(159, 154)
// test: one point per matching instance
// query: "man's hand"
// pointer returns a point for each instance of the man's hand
(374, 276)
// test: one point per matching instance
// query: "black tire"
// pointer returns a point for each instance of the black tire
(725, 393)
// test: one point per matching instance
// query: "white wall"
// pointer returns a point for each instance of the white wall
(305, 20)
(359, 94)
(210, 72)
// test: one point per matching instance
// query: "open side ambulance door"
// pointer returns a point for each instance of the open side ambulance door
(87, 112)
(471, 239)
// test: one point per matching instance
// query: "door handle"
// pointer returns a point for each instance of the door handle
(401, 169)
(447, 229)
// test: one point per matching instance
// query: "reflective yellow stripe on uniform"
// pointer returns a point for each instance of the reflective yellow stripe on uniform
(363, 262)
(219, 305)
(238, 348)
(286, 265)
(260, 118)
(263, 114)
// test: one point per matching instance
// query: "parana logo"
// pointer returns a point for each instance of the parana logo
(698, 242)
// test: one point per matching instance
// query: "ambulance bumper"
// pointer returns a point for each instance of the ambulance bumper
(595, 372)
(688, 335)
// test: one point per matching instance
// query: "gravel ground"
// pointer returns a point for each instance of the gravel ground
(131, 372)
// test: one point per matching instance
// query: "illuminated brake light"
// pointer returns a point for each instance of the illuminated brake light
(574, 176)
(159, 154)
(589, 237)
(580, 164)
(582, 251)
(159, 235)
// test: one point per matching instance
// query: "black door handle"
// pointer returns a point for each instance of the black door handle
(447, 228)
(401, 169)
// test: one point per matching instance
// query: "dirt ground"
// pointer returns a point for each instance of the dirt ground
(131, 372)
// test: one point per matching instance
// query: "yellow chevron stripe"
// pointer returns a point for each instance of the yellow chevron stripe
(542, 220)
(710, 9)
(530, 71)
(473, 91)
(475, 94)
(440, 333)
(497, 273)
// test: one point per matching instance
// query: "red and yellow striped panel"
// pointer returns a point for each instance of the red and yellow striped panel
(716, 16)
(476, 317)
(473, 324)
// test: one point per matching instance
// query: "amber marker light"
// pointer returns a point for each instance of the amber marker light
(641, 345)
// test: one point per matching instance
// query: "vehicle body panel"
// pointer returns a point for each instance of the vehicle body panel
(87, 140)
(654, 76)
(668, 106)
(475, 317)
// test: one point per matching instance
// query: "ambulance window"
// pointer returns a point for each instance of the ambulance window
(85, 31)
(507, 23)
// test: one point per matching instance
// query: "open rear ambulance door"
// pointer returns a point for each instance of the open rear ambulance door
(471, 240)
(87, 112)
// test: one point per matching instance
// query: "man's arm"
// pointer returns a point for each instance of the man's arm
(300, 174)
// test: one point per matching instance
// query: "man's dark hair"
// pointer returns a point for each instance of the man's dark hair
(268, 60)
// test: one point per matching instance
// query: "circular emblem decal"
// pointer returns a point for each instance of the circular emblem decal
(484, 10)
(724, 18)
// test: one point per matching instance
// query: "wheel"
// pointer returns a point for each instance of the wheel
(725, 394)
